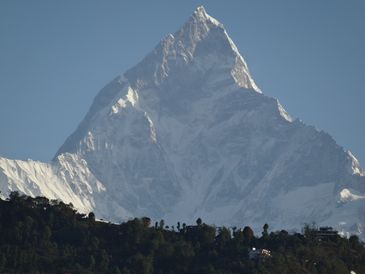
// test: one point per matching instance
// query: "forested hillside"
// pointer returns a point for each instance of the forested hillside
(42, 236)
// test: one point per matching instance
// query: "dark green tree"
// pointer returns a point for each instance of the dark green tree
(199, 222)
(265, 232)
(91, 216)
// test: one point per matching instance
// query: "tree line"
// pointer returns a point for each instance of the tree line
(38, 235)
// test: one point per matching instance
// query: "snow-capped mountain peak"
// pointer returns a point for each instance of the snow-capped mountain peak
(202, 45)
(186, 133)
(201, 15)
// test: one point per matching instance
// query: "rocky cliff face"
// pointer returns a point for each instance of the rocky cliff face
(186, 133)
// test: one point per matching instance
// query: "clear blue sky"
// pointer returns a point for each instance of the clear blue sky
(56, 55)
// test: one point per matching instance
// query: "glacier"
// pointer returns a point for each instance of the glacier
(187, 133)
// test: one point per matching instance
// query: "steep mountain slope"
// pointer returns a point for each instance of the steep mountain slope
(186, 133)
(68, 178)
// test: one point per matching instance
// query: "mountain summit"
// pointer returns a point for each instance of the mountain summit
(186, 133)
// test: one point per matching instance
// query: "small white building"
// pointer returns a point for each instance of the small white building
(256, 254)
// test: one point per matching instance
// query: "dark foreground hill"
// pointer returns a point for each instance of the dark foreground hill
(42, 236)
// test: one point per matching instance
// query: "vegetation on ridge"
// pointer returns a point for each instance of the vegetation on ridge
(42, 236)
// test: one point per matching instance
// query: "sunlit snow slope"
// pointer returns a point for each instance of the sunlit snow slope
(186, 133)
